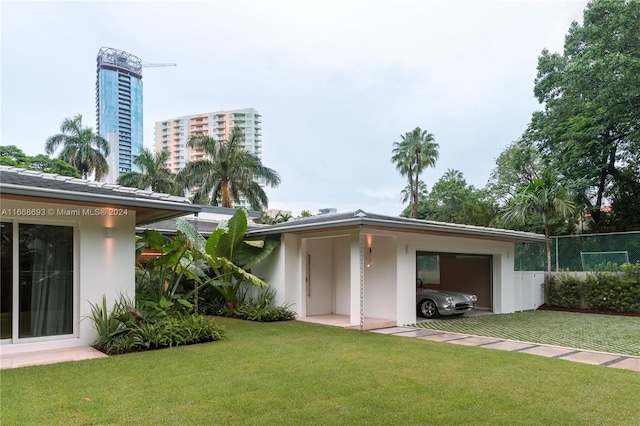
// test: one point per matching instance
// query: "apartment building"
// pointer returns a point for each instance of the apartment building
(173, 134)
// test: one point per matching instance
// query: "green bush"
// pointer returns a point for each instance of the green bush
(125, 330)
(259, 309)
(613, 288)
(616, 288)
(564, 290)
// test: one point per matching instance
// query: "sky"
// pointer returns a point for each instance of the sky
(336, 82)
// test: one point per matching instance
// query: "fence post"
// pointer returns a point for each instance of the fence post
(557, 257)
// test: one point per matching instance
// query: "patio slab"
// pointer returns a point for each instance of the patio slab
(444, 337)
(548, 351)
(587, 357)
(509, 345)
(476, 341)
(49, 357)
(627, 364)
(416, 333)
(393, 330)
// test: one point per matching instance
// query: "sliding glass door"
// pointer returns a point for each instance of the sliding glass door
(43, 257)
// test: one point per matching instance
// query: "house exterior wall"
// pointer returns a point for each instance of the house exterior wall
(102, 265)
(389, 280)
(342, 266)
(380, 277)
(281, 270)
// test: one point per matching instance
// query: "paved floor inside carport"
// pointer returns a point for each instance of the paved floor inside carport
(577, 355)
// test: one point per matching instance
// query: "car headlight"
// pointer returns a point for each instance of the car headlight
(448, 302)
(474, 298)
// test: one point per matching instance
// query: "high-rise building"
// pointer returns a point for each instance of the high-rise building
(173, 134)
(119, 108)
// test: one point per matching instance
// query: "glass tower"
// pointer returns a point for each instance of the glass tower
(119, 108)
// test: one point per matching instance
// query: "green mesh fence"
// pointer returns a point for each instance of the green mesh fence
(579, 252)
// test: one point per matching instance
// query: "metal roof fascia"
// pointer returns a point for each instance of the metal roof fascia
(476, 231)
(269, 229)
(484, 232)
(90, 197)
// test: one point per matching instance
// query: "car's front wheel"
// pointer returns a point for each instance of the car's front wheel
(428, 309)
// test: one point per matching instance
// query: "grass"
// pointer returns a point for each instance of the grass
(296, 373)
(605, 333)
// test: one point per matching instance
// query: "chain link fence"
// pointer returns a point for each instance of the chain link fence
(580, 252)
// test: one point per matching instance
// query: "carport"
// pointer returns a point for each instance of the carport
(360, 265)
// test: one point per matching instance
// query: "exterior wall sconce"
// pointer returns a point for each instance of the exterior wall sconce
(109, 232)
(369, 258)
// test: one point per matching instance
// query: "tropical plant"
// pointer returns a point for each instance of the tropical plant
(154, 176)
(123, 329)
(231, 256)
(171, 282)
(81, 147)
(279, 217)
(407, 192)
(230, 172)
(545, 196)
(110, 325)
(416, 151)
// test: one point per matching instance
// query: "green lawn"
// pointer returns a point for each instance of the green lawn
(297, 373)
(605, 333)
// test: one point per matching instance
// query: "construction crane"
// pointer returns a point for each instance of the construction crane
(166, 64)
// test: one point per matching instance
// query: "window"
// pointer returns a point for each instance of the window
(428, 268)
(43, 257)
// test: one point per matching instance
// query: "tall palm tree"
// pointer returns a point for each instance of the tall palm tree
(154, 176)
(231, 171)
(546, 196)
(416, 151)
(81, 148)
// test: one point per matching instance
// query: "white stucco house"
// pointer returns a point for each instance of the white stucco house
(65, 243)
(361, 267)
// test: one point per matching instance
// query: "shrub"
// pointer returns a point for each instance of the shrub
(616, 288)
(259, 309)
(125, 330)
(613, 288)
(564, 290)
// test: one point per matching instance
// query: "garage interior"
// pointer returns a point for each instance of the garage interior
(464, 273)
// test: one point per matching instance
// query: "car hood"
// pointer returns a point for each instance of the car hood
(434, 293)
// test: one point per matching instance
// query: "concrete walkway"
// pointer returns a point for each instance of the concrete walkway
(52, 356)
(570, 354)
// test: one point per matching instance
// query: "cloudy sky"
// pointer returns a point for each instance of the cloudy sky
(336, 82)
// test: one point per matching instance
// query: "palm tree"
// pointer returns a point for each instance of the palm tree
(155, 175)
(546, 196)
(81, 148)
(231, 171)
(406, 192)
(416, 151)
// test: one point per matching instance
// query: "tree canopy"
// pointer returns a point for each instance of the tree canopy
(452, 200)
(589, 127)
(154, 176)
(11, 155)
(81, 147)
(229, 173)
(416, 151)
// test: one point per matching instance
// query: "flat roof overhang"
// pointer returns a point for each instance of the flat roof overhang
(147, 210)
(418, 227)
